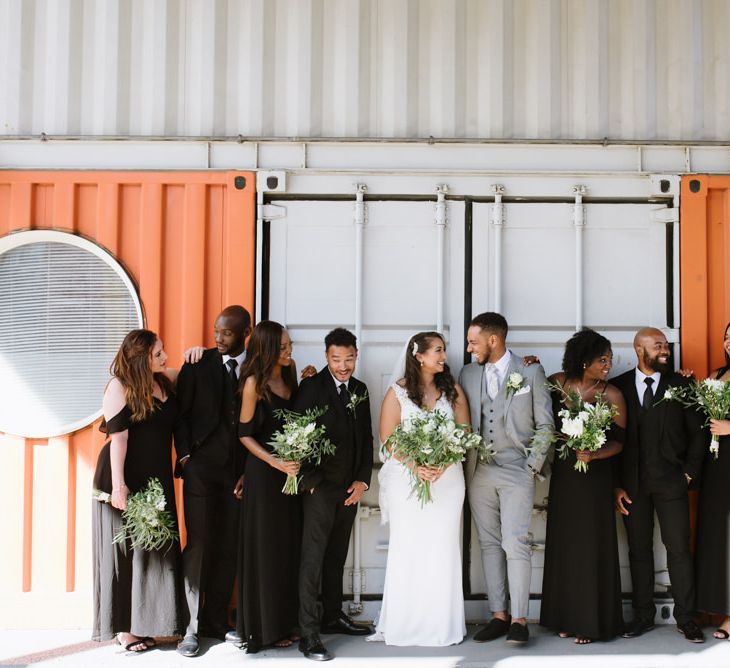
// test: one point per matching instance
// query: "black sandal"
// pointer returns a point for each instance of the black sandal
(721, 634)
(134, 643)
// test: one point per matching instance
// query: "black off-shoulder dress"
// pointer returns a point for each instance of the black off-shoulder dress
(136, 591)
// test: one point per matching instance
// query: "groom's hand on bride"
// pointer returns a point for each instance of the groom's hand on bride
(356, 490)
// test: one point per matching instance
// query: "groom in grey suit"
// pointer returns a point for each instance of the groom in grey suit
(511, 408)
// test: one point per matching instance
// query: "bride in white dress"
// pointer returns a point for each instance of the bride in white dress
(423, 601)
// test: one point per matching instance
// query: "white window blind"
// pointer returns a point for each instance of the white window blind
(65, 306)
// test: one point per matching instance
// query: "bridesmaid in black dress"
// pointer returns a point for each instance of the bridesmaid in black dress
(712, 565)
(136, 592)
(581, 591)
(270, 530)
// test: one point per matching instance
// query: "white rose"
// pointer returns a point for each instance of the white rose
(714, 384)
(572, 427)
(515, 379)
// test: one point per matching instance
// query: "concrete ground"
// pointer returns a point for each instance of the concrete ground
(660, 648)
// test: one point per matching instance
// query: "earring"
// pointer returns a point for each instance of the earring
(585, 366)
(421, 363)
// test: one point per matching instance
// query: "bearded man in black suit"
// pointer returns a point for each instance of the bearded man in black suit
(332, 491)
(661, 458)
(211, 460)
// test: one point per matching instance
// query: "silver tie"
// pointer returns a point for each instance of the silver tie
(492, 381)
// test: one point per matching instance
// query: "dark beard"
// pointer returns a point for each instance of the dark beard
(655, 365)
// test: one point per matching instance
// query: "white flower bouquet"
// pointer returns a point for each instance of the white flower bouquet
(146, 523)
(583, 425)
(433, 439)
(711, 396)
(300, 440)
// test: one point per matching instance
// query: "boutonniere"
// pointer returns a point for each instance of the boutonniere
(356, 400)
(514, 383)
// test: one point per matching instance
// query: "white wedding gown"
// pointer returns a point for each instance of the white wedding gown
(423, 601)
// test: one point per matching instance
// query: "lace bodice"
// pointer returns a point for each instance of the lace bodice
(408, 408)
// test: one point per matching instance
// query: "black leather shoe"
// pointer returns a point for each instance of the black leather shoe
(312, 648)
(496, 628)
(188, 646)
(233, 638)
(637, 628)
(518, 634)
(691, 631)
(343, 624)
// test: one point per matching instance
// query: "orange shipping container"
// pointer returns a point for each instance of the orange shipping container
(704, 270)
(187, 241)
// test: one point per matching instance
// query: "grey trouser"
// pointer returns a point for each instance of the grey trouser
(501, 500)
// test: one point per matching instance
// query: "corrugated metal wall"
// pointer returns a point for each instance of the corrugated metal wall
(548, 69)
(187, 240)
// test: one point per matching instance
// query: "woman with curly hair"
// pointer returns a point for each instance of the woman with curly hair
(136, 592)
(581, 589)
(271, 522)
(424, 541)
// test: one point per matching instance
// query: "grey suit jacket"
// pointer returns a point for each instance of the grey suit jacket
(528, 414)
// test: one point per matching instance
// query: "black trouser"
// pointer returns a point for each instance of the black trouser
(672, 509)
(325, 541)
(209, 557)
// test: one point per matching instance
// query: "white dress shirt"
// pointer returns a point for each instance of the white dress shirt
(641, 385)
(239, 359)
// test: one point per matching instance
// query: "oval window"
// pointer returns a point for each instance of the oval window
(65, 306)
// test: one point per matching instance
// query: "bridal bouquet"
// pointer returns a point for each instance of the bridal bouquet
(299, 440)
(584, 425)
(433, 439)
(145, 522)
(711, 396)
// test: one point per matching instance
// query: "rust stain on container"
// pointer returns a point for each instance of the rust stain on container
(187, 239)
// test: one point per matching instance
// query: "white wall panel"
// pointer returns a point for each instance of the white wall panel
(488, 69)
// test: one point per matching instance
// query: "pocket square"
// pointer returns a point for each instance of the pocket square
(523, 390)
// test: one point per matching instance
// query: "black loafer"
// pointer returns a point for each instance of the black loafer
(188, 646)
(233, 638)
(343, 624)
(496, 628)
(637, 628)
(312, 648)
(691, 631)
(518, 634)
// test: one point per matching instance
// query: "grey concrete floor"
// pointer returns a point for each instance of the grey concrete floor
(661, 648)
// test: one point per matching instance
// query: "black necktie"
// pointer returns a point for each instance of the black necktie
(344, 394)
(648, 401)
(232, 364)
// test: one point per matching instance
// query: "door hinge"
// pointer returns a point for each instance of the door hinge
(665, 215)
(271, 211)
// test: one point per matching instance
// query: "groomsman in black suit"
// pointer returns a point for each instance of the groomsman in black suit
(661, 458)
(210, 460)
(332, 491)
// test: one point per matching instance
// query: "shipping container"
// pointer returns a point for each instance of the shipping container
(186, 241)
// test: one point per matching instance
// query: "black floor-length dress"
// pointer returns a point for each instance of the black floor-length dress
(270, 538)
(712, 559)
(581, 588)
(136, 591)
